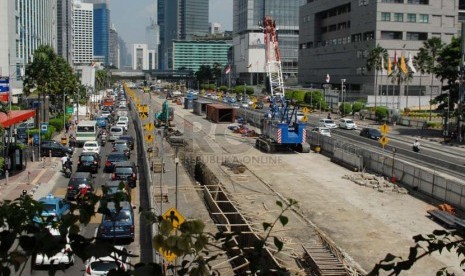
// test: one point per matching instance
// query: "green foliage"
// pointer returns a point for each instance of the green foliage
(223, 88)
(57, 123)
(345, 108)
(204, 74)
(289, 94)
(240, 89)
(44, 136)
(211, 86)
(381, 113)
(315, 99)
(430, 124)
(357, 106)
(299, 96)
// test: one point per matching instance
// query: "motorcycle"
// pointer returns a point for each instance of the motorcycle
(68, 169)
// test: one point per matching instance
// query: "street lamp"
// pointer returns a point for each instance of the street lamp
(342, 95)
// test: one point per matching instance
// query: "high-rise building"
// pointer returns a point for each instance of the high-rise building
(83, 33)
(336, 38)
(101, 29)
(191, 54)
(24, 26)
(249, 44)
(152, 37)
(65, 47)
(180, 19)
(113, 50)
(140, 57)
(125, 59)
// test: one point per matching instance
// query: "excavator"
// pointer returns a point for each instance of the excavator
(165, 116)
(280, 127)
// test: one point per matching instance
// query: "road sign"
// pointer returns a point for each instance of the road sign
(149, 138)
(384, 129)
(304, 119)
(174, 216)
(43, 128)
(383, 140)
(143, 115)
(4, 84)
(148, 127)
(168, 256)
(305, 110)
(254, 105)
(69, 110)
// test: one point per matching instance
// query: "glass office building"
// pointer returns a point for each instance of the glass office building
(101, 31)
(190, 55)
(247, 15)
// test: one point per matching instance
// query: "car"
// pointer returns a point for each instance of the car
(55, 241)
(27, 125)
(102, 121)
(322, 131)
(126, 171)
(91, 146)
(347, 124)
(55, 148)
(117, 223)
(122, 147)
(122, 104)
(115, 133)
(105, 113)
(54, 208)
(112, 159)
(77, 179)
(118, 260)
(122, 124)
(89, 162)
(128, 139)
(371, 133)
(327, 123)
(116, 188)
(123, 119)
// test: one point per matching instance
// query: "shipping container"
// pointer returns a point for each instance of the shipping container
(219, 113)
(200, 107)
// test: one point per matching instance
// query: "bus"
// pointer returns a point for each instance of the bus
(86, 131)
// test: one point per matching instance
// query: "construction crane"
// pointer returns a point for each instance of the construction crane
(280, 127)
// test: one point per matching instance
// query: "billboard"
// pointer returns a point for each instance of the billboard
(4, 89)
(256, 41)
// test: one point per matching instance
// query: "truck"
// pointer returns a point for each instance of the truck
(108, 101)
(86, 131)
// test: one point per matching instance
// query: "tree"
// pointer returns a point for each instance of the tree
(375, 60)
(431, 48)
(421, 61)
(102, 79)
(204, 74)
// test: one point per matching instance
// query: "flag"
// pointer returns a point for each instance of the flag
(403, 66)
(394, 62)
(228, 69)
(410, 63)
(389, 66)
(327, 78)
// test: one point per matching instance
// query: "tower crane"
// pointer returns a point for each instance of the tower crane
(280, 127)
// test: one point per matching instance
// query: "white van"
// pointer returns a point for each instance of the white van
(115, 133)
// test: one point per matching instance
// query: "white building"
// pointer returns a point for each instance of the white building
(24, 26)
(83, 33)
(215, 28)
(152, 37)
(140, 57)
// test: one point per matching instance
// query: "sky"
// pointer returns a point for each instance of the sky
(131, 17)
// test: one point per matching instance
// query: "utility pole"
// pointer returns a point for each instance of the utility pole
(342, 96)
(462, 87)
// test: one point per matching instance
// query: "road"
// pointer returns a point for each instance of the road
(58, 188)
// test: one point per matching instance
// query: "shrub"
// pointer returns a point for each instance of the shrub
(315, 99)
(211, 86)
(57, 123)
(289, 94)
(299, 96)
(223, 88)
(345, 108)
(381, 113)
(357, 106)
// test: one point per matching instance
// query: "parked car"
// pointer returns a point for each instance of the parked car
(57, 149)
(54, 208)
(116, 188)
(65, 254)
(118, 260)
(347, 123)
(121, 146)
(91, 146)
(322, 131)
(77, 179)
(89, 162)
(126, 171)
(116, 224)
(327, 123)
(371, 133)
(112, 159)
(128, 139)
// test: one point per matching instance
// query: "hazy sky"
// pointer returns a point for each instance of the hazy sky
(131, 17)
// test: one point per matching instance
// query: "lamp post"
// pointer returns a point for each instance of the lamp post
(64, 109)
(342, 95)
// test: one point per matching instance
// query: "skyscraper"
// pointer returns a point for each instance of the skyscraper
(180, 19)
(249, 53)
(152, 37)
(83, 33)
(113, 48)
(101, 29)
(65, 46)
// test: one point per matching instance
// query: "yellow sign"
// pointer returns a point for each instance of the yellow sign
(305, 110)
(168, 256)
(143, 115)
(383, 140)
(304, 119)
(384, 129)
(254, 105)
(174, 216)
(148, 127)
(143, 108)
(149, 138)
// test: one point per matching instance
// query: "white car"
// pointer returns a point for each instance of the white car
(119, 261)
(105, 113)
(122, 104)
(91, 146)
(327, 123)
(65, 256)
(347, 124)
(122, 124)
(300, 116)
(322, 131)
(123, 119)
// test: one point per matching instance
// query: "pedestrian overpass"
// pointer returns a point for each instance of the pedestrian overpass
(170, 75)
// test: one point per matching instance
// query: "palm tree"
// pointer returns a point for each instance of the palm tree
(421, 61)
(375, 60)
(432, 47)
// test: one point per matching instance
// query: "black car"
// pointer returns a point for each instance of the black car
(77, 179)
(126, 171)
(88, 162)
(116, 189)
(112, 159)
(371, 133)
(129, 139)
(122, 147)
(55, 148)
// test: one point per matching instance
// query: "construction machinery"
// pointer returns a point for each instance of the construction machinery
(280, 127)
(165, 116)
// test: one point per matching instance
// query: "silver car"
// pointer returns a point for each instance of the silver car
(327, 123)
(347, 124)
